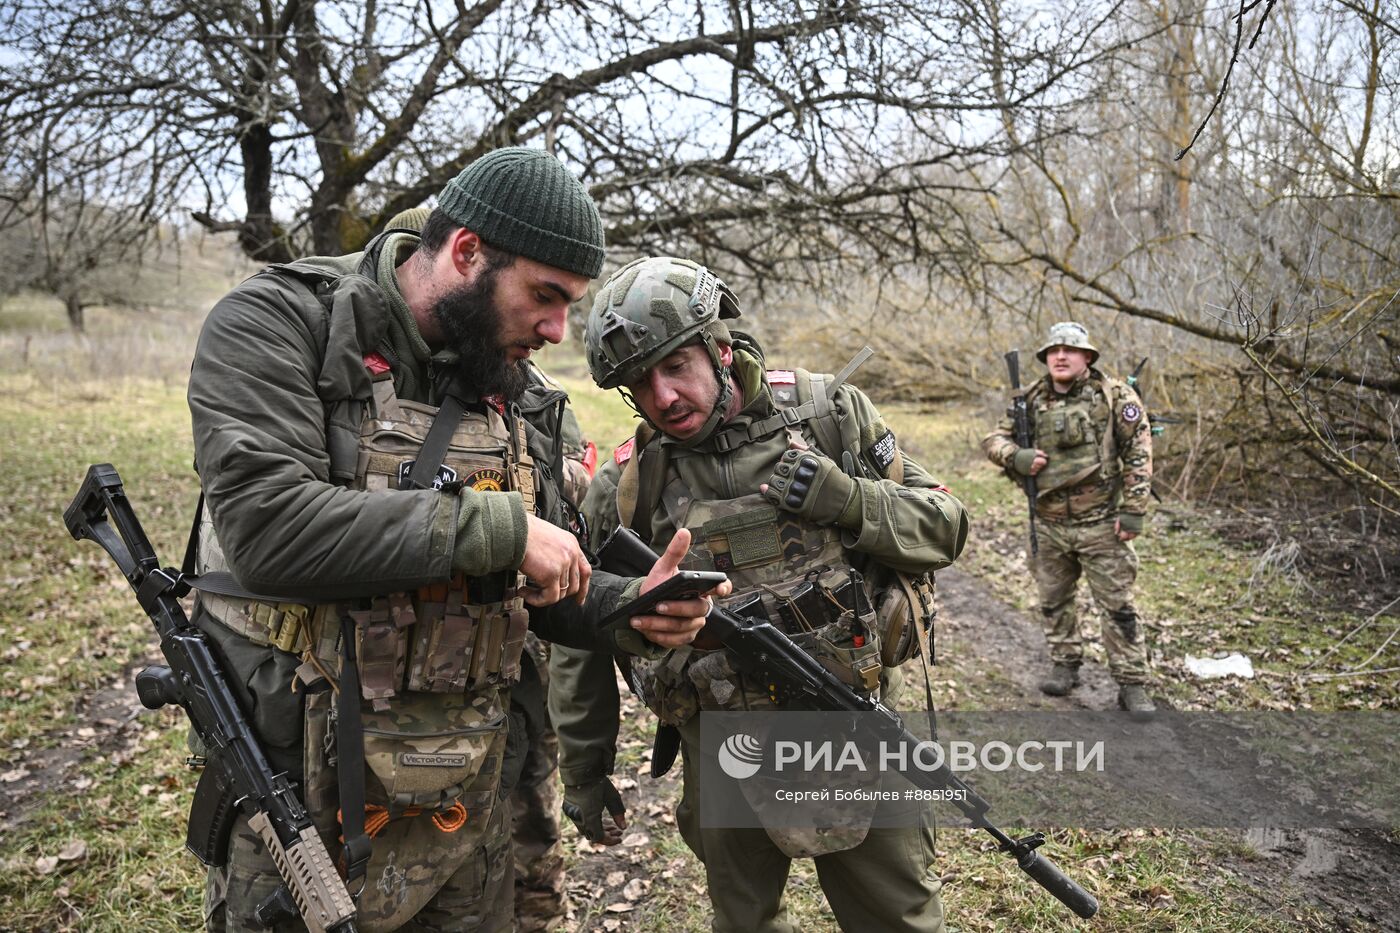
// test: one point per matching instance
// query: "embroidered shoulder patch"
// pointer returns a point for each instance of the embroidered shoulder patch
(782, 377)
(376, 364)
(623, 453)
(881, 453)
(486, 479)
(1131, 413)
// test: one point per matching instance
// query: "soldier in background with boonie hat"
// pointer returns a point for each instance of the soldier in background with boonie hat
(1092, 462)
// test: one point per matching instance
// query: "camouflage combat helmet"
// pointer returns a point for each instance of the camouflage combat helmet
(648, 309)
(1068, 334)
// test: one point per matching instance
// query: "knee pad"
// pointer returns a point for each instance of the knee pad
(1127, 622)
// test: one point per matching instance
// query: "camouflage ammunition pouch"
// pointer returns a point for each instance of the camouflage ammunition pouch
(463, 635)
(905, 609)
(425, 758)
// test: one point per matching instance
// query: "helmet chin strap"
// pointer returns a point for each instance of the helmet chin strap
(722, 400)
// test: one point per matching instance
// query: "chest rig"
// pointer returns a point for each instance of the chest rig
(1077, 431)
(786, 570)
(461, 635)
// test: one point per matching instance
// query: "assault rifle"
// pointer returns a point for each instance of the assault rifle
(1021, 425)
(798, 680)
(237, 775)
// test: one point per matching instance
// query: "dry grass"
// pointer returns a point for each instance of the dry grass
(118, 787)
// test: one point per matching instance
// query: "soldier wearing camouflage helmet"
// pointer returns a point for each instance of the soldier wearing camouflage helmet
(749, 459)
(389, 521)
(1092, 461)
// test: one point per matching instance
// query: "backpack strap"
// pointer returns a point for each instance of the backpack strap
(630, 483)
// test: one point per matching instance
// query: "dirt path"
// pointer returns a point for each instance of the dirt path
(995, 648)
(49, 761)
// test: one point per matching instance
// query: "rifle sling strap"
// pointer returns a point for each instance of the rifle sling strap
(350, 761)
(434, 449)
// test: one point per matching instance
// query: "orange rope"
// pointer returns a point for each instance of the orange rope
(377, 817)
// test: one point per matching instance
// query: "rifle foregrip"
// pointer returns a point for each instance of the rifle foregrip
(311, 876)
(626, 554)
(1048, 875)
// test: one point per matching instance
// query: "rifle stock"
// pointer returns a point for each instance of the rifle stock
(237, 775)
(766, 653)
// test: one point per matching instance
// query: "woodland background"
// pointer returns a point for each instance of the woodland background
(1214, 187)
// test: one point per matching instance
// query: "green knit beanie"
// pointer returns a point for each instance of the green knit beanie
(412, 219)
(525, 201)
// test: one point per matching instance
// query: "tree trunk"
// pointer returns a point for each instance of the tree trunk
(260, 236)
(74, 308)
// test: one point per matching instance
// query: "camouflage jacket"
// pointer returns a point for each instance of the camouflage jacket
(916, 526)
(1098, 445)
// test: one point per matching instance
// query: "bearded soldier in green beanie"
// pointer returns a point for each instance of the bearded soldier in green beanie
(541, 897)
(394, 523)
(1092, 462)
(791, 483)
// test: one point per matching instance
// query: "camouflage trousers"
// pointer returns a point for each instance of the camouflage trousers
(540, 899)
(1065, 553)
(886, 883)
(477, 897)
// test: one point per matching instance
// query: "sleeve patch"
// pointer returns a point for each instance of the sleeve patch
(623, 453)
(1131, 413)
(782, 377)
(881, 453)
(376, 364)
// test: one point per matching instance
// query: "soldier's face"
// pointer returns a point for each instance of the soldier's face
(1066, 364)
(533, 301)
(506, 310)
(679, 393)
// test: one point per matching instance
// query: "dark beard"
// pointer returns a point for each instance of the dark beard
(470, 322)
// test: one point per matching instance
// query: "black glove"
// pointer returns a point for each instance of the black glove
(584, 804)
(814, 487)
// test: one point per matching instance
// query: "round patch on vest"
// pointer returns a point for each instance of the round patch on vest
(1131, 413)
(486, 480)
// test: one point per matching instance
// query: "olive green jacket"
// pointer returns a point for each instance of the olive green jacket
(277, 392)
(915, 526)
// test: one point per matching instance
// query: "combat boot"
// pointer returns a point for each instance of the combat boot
(1063, 678)
(1134, 699)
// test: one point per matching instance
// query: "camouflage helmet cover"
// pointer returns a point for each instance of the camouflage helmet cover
(1068, 334)
(649, 308)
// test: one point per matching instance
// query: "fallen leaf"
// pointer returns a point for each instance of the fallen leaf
(632, 840)
(612, 923)
(18, 774)
(615, 878)
(73, 851)
(46, 864)
(619, 908)
(635, 889)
